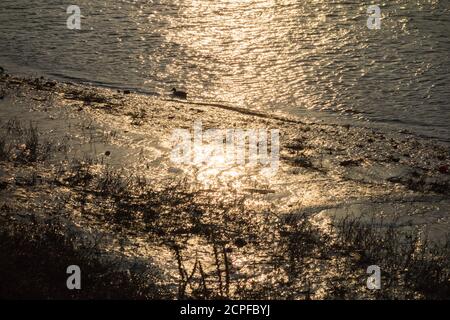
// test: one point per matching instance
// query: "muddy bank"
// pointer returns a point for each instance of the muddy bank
(99, 160)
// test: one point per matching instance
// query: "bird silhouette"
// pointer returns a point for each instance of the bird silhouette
(179, 94)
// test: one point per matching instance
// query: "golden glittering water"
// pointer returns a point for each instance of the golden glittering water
(314, 57)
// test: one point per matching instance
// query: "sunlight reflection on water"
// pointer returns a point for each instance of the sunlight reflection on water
(287, 56)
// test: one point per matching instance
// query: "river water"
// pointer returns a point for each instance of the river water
(315, 58)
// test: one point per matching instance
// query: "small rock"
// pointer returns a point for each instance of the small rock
(126, 91)
(444, 169)
(350, 162)
(3, 185)
(393, 158)
(239, 242)
(107, 153)
(50, 84)
(303, 162)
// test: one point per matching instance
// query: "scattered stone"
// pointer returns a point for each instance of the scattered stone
(350, 162)
(303, 162)
(393, 158)
(296, 146)
(3, 185)
(260, 191)
(38, 99)
(444, 169)
(239, 242)
(50, 84)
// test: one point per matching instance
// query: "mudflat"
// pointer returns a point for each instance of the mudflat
(86, 178)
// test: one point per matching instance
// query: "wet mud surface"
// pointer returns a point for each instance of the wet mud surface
(98, 162)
